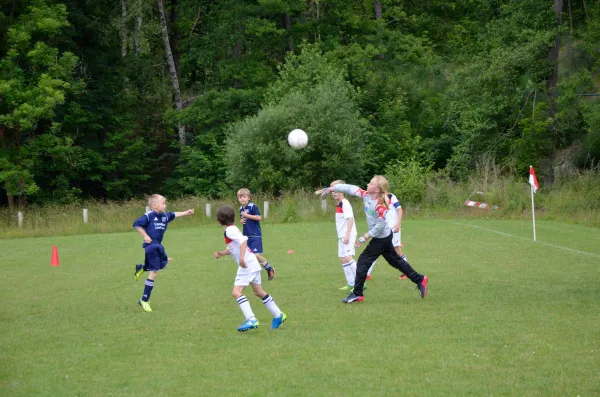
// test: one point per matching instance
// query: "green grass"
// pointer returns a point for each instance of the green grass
(503, 316)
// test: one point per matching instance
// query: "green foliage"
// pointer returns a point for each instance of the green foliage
(311, 95)
(408, 179)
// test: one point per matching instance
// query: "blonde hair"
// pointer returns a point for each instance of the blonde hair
(384, 186)
(244, 191)
(155, 198)
(336, 182)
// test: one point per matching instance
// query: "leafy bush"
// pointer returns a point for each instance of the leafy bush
(408, 178)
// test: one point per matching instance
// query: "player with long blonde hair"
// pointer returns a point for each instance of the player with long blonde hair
(379, 236)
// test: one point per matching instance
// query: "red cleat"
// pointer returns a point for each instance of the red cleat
(368, 277)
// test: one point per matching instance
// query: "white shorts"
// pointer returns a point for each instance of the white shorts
(245, 279)
(345, 250)
(397, 239)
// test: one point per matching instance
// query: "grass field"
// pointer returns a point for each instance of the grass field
(503, 316)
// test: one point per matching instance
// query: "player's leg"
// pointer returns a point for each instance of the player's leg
(346, 253)
(242, 281)
(153, 263)
(278, 316)
(371, 269)
(366, 258)
(397, 242)
(255, 245)
(392, 257)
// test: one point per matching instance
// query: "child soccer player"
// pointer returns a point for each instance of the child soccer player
(250, 218)
(153, 226)
(394, 220)
(248, 272)
(376, 205)
(346, 233)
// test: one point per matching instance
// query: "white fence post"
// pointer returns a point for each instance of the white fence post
(324, 205)
(147, 209)
(208, 210)
(20, 219)
(266, 209)
(85, 216)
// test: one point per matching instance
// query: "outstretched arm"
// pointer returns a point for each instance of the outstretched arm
(352, 190)
(184, 213)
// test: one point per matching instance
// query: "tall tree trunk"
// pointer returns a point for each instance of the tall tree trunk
(138, 27)
(123, 28)
(553, 59)
(174, 36)
(287, 25)
(378, 11)
(552, 85)
(172, 69)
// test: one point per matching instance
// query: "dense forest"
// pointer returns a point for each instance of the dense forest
(116, 99)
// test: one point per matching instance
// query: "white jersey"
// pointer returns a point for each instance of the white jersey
(392, 215)
(343, 212)
(234, 238)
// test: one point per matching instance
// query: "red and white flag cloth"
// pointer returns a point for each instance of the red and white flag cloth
(533, 180)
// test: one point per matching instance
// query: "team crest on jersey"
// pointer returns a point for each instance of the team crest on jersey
(164, 218)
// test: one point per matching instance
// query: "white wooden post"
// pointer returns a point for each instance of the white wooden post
(147, 209)
(324, 205)
(208, 210)
(85, 216)
(20, 219)
(266, 209)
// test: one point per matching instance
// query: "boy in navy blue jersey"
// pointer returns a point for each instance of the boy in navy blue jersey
(152, 226)
(250, 218)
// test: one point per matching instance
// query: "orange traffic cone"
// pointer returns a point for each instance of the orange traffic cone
(54, 261)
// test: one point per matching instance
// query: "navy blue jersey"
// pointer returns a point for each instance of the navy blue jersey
(251, 227)
(155, 224)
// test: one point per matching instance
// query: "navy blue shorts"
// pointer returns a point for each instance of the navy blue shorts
(255, 244)
(156, 257)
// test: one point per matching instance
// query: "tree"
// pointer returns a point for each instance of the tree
(36, 79)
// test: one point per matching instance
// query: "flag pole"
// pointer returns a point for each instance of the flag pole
(533, 212)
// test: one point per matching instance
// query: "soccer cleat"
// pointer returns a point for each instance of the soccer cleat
(402, 277)
(139, 269)
(368, 277)
(353, 298)
(249, 324)
(145, 305)
(422, 286)
(347, 288)
(277, 321)
(270, 274)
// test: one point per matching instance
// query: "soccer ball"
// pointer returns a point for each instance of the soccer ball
(297, 139)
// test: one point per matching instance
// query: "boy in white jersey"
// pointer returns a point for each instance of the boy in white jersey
(346, 233)
(376, 204)
(248, 272)
(394, 220)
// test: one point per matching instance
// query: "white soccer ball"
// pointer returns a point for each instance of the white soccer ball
(297, 139)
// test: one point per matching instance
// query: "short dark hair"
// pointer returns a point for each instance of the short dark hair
(226, 215)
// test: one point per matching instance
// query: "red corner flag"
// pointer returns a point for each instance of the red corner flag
(533, 180)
